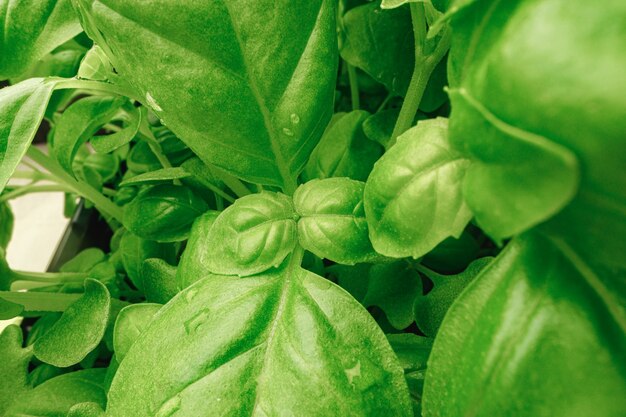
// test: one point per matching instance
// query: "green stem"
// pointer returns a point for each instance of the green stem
(49, 277)
(385, 102)
(34, 188)
(103, 204)
(231, 182)
(40, 301)
(79, 84)
(424, 67)
(354, 87)
(31, 175)
(146, 134)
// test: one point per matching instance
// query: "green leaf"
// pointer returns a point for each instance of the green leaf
(517, 178)
(392, 4)
(95, 65)
(413, 198)
(131, 321)
(79, 330)
(533, 334)
(431, 308)
(193, 263)
(352, 278)
(265, 74)
(131, 120)
(159, 280)
(155, 177)
(163, 213)
(55, 397)
(379, 127)
(6, 224)
(33, 28)
(453, 255)
(332, 221)
(22, 107)
(79, 123)
(135, 250)
(254, 234)
(13, 367)
(394, 287)
(84, 261)
(87, 409)
(344, 150)
(259, 345)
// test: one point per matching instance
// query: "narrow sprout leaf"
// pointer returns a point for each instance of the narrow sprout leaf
(79, 123)
(79, 330)
(95, 65)
(265, 352)
(255, 234)
(414, 198)
(22, 108)
(157, 176)
(131, 118)
(130, 322)
(332, 221)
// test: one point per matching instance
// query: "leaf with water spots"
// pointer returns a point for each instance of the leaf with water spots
(259, 346)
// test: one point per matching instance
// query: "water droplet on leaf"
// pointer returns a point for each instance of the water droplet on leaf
(295, 119)
(353, 372)
(287, 131)
(192, 325)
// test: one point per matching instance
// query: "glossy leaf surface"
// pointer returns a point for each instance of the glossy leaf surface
(31, 29)
(79, 330)
(193, 262)
(22, 107)
(332, 220)
(254, 234)
(163, 213)
(55, 397)
(535, 317)
(413, 198)
(280, 63)
(258, 346)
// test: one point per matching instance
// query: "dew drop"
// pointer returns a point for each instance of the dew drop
(152, 102)
(353, 372)
(170, 407)
(190, 294)
(287, 131)
(192, 325)
(295, 119)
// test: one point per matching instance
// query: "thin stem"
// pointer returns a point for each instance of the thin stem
(231, 182)
(49, 277)
(385, 102)
(424, 67)
(40, 301)
(146, 134)
(31, 175)
(34, 188)
(354, 87)
(103, 204)
(80, 84)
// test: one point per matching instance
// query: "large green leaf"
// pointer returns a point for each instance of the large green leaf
(413, 198)
(13, 367)
(533, 335)
(55, 397)
(251, 236)
(248, 86)
(22, 107)
(31, 29)
(332, 220)
(259, 346)
(193, 263)
(79, 330)
(129, 324)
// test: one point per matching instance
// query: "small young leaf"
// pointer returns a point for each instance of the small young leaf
(84, 261)
(79, 123)
(163, 213)
(55, 397)
(13, 367)
(253, 235)
(22, 107)
(344, 151)
(431, 308)
(379, 127)
(135, 250)
(233, 346)
(131, 119)
(131, 321)
(159, 280)
(413, 198)
(32, 28)
(87, 409)
(332, 221)
(95, 65)
(193, 263)
(79, 330)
